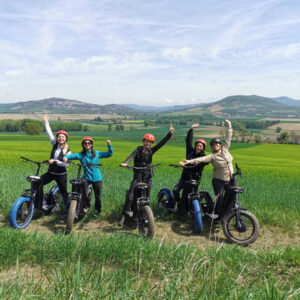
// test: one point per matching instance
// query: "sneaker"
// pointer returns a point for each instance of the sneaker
(86, 210)
(129, 213)
(45, 205)
(121, 221)
(213, 216)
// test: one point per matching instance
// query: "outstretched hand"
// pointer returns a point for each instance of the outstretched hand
(45, 118)
(124, 165)
(183, 162)
(65, 159)
(171, 128)
(195, 125)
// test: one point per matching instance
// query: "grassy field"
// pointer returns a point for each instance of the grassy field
(101, 261)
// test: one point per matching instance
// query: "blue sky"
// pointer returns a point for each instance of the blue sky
(148, 52)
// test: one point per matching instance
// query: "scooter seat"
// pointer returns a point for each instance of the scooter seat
(142, 186)
(33, 178)
(236, 189)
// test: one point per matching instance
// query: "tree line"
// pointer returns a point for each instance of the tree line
(34, 127)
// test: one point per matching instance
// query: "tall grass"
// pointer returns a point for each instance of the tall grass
(122, 266)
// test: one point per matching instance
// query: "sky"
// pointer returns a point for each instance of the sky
(158, 52)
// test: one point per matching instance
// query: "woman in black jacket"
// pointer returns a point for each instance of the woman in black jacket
(142, 156)
(187, 174)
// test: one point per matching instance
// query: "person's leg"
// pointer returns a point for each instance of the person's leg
(97, 186)
(176, 190)
(129, 197)
(46, 178)
(218, 186)
(61, 181)
(128, 202)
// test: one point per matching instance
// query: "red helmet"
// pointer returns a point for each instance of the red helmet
(149, 137)
(62, 132)
(87, 138)
(203, 142)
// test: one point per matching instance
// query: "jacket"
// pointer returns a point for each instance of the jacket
(142, 159)
(222, 163)
(196, 172)
(91, 173)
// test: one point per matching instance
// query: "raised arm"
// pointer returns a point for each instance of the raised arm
(48, 130)
(189, 139)
(228, 135)
(164, 140)
(109, 152)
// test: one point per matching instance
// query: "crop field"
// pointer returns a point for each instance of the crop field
(99, 260)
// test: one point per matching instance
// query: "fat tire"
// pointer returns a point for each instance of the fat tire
(163, 196)
(146, 211)
(13, 214)
(71, 215)
(207, 203)
(197, 214)
(227, 231)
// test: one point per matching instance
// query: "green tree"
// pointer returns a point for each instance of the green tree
(109, 126)
(33, 128)
(258, 139)
(283, 138)
(278, 129)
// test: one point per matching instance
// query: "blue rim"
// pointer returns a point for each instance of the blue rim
(14, 210)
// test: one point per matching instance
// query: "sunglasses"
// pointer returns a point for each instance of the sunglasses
(87, 143)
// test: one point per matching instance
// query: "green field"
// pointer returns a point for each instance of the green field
(42, 263)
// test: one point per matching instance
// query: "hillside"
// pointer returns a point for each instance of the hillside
(287, 101)
(64, 106)
(246, 106)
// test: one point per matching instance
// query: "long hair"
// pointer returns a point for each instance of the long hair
(65, 149)
(84, 151)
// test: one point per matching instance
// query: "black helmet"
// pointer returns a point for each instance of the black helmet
(215, 140)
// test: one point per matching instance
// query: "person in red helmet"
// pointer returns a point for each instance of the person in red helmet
(57, 168)
(196, 173)
(142, 157)
(91, 173)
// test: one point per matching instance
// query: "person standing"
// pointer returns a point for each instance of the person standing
(142, 157)
(57, 168)
(92, 173)
(221, 160)
(195, 173)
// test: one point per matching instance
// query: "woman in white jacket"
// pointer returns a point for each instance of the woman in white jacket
(57, 168)
(221, 160)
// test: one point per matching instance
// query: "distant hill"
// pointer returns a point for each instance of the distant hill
(238, 106)
(64, 106)
(287, 101)
(246, 106)
(160, 108)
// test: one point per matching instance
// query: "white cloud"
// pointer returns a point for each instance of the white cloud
(182, 54)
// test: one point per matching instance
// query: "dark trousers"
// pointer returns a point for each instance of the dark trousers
(61, 181)
(97, 187)
(176, 192)
(218, 186)
(130, 193)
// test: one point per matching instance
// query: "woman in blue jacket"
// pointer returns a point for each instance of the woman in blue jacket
(91, 173)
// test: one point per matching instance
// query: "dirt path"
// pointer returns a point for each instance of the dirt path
(169, 231)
